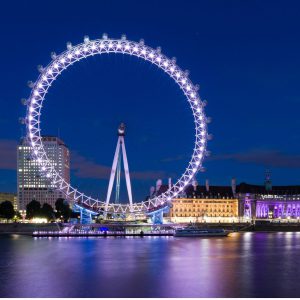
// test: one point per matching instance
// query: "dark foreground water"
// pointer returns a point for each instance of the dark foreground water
(242, 265)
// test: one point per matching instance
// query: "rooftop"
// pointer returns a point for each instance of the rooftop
(46, 138)
(217, 191)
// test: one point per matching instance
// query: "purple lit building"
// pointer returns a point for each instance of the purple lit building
(267, 202)
(254, 201)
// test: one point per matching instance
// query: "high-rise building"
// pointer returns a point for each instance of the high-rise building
(31, 184)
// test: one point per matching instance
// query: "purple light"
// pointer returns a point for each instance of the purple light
(280, 209)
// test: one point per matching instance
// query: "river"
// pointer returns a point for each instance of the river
(241, 265)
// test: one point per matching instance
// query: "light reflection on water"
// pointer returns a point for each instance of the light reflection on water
(241, 265)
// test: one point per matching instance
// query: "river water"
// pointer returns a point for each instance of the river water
(241, 265)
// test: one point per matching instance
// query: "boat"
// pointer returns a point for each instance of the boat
(200, 232)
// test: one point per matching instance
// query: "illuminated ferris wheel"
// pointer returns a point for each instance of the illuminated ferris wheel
(104, 46)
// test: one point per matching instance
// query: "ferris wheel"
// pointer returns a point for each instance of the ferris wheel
(105, 46)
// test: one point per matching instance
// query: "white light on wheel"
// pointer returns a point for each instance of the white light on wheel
(86, 49)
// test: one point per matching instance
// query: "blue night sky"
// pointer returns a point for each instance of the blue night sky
(243, 54)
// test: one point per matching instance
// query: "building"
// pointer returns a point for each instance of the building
(201, 203)
(31, 184)
(269, 202)
(205, 204)
(233, 203)
(204, 210)
(9, 197)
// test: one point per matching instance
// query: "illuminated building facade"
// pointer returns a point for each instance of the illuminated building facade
(242, 202)
(201, 203)
(9, 197)
(269, 202)
(205, 204)
(202, 209)
(31, 184)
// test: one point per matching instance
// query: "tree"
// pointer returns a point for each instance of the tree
(17, 216)
(7, 210)
(33, 209)
(63, 210)
(47, 211)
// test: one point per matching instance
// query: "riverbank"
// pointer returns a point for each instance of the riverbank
(28, 229)
(259, 226)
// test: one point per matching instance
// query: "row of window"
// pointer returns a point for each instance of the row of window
(202, 210)
(214, 201)
(202, 205)
(207, 215)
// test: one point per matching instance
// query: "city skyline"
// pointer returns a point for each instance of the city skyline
(246, 141)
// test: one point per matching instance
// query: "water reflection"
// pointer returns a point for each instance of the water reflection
(242, 265)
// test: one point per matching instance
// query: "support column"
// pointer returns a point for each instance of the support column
(117, 160)
(267, 211)
(85, 216)
(112, 175)
(157, 217)
(127, 175)
(258, 210)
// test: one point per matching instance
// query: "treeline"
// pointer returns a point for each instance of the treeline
(34, 209)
